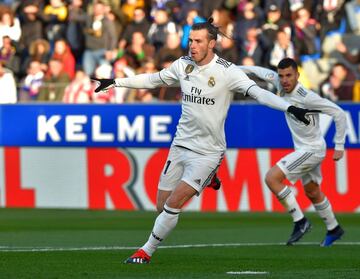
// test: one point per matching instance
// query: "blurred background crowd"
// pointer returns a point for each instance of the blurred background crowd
(49, 50)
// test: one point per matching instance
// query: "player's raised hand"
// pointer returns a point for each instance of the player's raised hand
(300, 113)
(105, 84)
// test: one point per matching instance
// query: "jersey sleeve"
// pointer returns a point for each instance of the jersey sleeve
(170, 75)
(262, 73)
(267, 98)
(149, 81)
(314, 101)
(165, 77)
(238, 81)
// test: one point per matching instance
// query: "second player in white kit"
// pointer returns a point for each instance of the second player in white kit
(310, 150)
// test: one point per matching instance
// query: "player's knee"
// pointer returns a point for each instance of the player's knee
(270, 179)
(313, 194)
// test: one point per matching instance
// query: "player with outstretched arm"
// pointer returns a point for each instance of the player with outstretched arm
(310, 150)
(207, 83)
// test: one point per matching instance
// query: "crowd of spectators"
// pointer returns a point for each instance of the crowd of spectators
(49, 50)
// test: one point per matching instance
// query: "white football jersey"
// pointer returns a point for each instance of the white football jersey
(206, 97)
(309, 137)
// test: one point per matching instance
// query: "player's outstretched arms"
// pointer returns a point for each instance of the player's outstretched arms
(300, 113)
(105, 84)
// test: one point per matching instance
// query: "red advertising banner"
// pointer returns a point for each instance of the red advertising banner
(126, 179)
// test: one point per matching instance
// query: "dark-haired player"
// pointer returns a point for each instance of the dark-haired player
(310, 149)
(207, 83)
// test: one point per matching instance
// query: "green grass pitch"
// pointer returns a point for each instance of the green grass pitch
(54, 244)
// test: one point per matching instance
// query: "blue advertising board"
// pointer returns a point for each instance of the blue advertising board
(150, 125)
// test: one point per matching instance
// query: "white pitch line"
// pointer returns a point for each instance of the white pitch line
(247, 272)
(104, 248)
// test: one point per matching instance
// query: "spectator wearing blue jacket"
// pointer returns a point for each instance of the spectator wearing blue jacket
(192, 18)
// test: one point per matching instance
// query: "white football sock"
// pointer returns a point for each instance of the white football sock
(326, 213)
(164, 224)
(288, 200)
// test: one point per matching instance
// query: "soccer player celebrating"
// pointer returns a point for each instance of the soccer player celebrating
(310, 149)
(207, 83)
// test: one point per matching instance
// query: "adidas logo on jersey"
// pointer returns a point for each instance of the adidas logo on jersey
(197, 181)
(223, 62)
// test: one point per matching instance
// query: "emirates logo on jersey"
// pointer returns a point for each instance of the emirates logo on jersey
(201, 100)
(211, 82)
(195, 97)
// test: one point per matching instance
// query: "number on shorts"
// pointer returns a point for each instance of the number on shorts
(312, 120)
(167, 166)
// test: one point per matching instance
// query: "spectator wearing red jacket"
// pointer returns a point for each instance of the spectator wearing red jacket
(63, 53)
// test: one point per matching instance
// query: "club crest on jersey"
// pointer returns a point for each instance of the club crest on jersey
(270, 76)
(211, 82)
(189, 68)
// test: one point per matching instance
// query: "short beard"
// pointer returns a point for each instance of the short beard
(202, 59)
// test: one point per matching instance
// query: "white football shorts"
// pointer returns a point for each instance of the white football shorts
(186, 165)
(302, 165)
